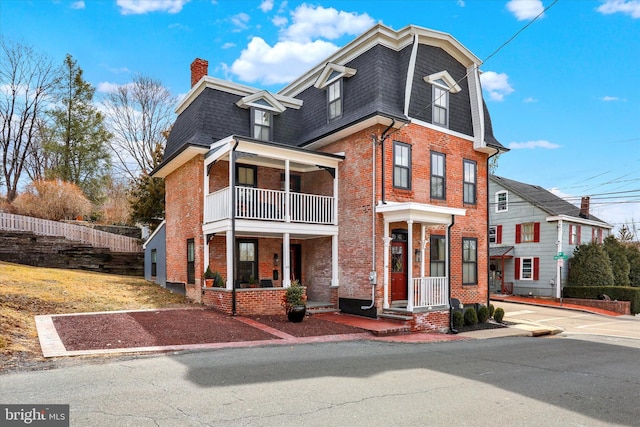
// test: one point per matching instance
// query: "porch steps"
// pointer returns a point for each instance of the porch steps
(314, 307)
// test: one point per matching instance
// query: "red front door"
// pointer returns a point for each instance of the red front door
(398, 271)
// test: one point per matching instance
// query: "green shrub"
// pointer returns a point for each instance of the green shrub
(619, 262)
(483, 314)
(470, 316)
(458, 320)
(590, 266)
(498, 314)
(491, 310)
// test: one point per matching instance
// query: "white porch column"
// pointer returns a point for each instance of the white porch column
(286, 261)
(287, 196)
(385, 268)
(410, 265)
(205, 186)
(423, 246)
(229, 260)
(335, 197)
(231, 179)
(334, 261)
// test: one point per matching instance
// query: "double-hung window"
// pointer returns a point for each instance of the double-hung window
(470, 178)
(334, 97)
(262, 120)
(401, 165)
(191, 261)
(440, 106)
(438, 183)
(438, 252)
(154, 262)
(469, 261)
(502, 201)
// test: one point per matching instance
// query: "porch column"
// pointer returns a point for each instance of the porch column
(334, 261)
(231, 187)
(287, 196)
(205, 187)
(335, 198)
(286, 260)
(423, 246)
(558, 263)
(385, 268)
(229, 260)
(410, 265)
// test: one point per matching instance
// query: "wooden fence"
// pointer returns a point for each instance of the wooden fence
(78, 233)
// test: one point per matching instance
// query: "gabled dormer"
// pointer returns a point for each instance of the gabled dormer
(331, 78)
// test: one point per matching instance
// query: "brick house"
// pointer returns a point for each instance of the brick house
(365, 179)
(532, 232)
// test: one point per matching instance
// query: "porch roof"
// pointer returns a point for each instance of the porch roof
(500, 252)
(419, 212)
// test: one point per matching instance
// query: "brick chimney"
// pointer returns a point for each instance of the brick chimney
(584, 207)
(199, 69)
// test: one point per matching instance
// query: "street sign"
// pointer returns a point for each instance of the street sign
(560, 255)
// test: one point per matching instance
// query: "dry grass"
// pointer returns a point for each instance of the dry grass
(27, 291)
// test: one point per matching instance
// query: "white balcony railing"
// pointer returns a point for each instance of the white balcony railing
(269, 205)
(430, 292)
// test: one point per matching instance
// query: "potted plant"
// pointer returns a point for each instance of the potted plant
(218, 281)
(293, 301)
(208, 277)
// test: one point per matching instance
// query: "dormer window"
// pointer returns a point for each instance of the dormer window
(442, 85)
(334, 94)
(331, 78)
(261, 124)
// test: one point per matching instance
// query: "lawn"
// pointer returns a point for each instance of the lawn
(27, 291)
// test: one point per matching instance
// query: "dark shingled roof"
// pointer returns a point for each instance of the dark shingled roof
(542, 198)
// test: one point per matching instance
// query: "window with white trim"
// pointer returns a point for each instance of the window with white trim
(469, 178)
(493, 234)
(526, 269)
(502, 201)
(261, 121)
(334, 98)
(440, 106)
(528, 232)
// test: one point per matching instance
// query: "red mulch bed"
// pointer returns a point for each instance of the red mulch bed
(178, 327)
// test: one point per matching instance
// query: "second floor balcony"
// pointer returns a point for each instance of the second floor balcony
(270, 205)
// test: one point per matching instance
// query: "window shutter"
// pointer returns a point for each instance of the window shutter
(536, 268)
(499, 234)
(518, 233)
(516, 273)
(536, 232)
(571, 242)
(578, 234)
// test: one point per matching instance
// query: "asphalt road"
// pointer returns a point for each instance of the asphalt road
(520, 381)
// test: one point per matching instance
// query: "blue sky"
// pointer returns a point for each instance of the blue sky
(564, 94)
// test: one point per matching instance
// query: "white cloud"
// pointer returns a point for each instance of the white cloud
(460, 3)
(300, 46)
(280, 63)
(529, 100)
(240, 21)
(316, 21)
(279, 21)
(529, 145)
(496, 84)
(138, 7)
(107, 87)
(78, 4)
(266, 5)
(525, 9)
(228, 45)
(609, 98)
(627, 7)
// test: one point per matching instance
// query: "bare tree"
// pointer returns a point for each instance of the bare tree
(27, 80)
(138, 113)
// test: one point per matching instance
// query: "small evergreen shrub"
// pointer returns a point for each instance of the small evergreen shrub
(458, 319)
(492, 309)
(498, 314)
(470, 316)
(483, 314)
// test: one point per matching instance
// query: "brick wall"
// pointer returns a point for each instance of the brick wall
(264, 301)
(184, 213)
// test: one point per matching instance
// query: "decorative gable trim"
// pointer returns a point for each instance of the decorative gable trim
(331, 73)
(444, 80)
(262, 100)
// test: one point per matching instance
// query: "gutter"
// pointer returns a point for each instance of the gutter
(449, 227)
(488, 224)
(232, 165)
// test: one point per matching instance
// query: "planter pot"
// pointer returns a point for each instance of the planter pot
(296, 313)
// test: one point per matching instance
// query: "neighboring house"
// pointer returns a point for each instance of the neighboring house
(365, 179)
(155, 268)
(532, 232)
